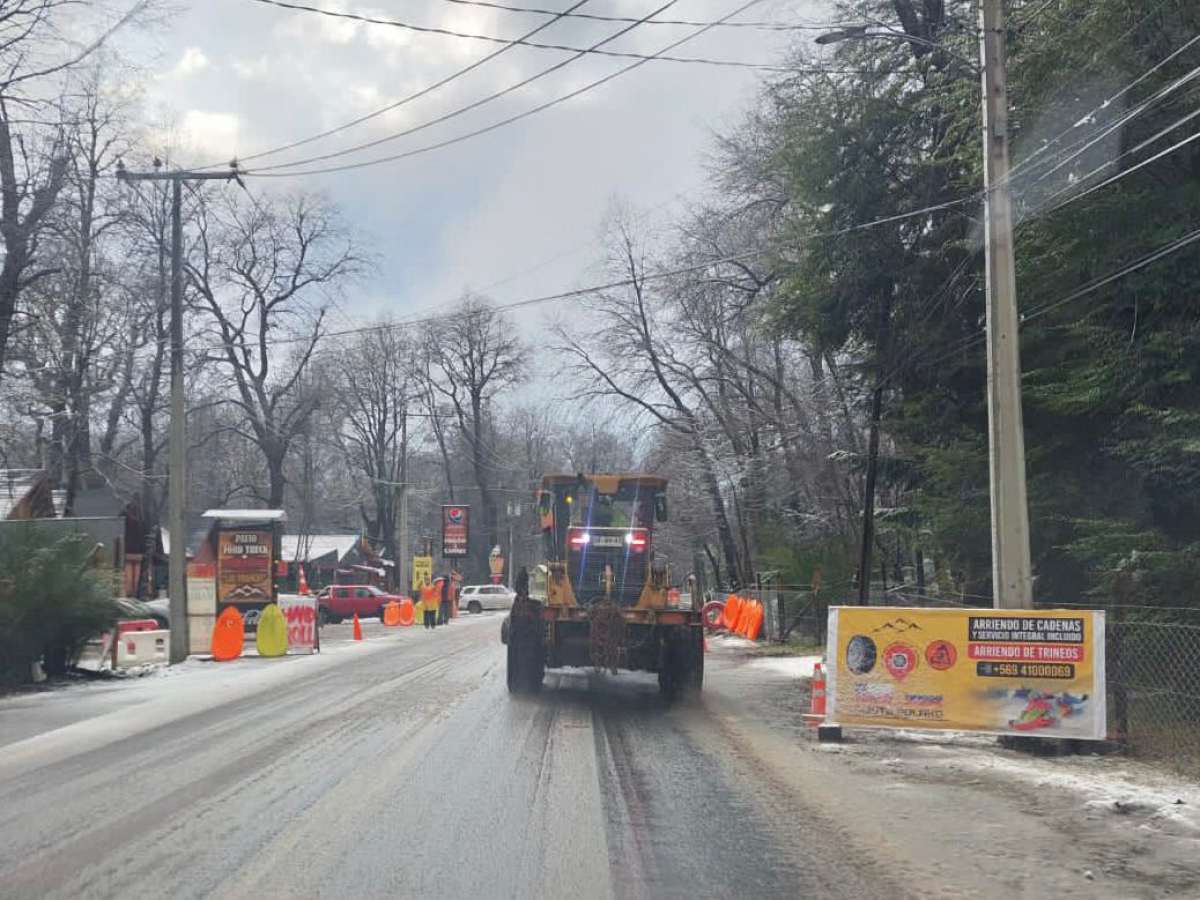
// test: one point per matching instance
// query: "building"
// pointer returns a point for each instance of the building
(100, 513)
(333, 559)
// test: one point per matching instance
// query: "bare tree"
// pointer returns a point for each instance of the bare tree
(266, 270)
(377, 390)
(36, 53)
(475, 356)
(629, 358)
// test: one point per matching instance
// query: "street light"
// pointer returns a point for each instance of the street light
(863, 33)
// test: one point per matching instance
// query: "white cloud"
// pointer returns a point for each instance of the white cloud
(192, 61)
(324, 29)
(250, 69)
(210, 133)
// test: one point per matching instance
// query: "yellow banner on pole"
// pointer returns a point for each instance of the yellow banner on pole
(422, 571)
(1032, 672)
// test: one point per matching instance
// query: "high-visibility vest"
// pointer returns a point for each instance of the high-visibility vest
(429, 596)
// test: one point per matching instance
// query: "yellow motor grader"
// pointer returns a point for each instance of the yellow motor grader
(602, 597)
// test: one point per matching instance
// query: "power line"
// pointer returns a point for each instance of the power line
(416, 95)
(1090, 287)
(508, 121)
(431, 318)
(1090, 140)
(763, 26)
(463, 109)
(537, 45)
(1131, 169)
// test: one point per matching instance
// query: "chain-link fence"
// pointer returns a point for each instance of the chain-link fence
(1154, 683)
(1152, 665)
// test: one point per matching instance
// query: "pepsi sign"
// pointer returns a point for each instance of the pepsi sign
(455, 530)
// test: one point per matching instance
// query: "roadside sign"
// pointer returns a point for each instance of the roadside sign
(244, 566)
(1033, 672)
(456, 521)
(422, 567)
(300, 613)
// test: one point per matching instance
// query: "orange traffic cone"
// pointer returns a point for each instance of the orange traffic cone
(816, 713)
(357, 629)
(303, 582)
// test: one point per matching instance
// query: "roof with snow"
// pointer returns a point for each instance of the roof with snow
(315, 546)
(247, 515)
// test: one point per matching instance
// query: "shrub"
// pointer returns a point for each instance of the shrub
(52, 600)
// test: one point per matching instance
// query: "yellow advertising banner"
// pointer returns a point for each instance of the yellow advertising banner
(1033, 672)
(422, 571)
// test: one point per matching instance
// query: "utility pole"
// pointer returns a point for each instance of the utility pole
(1012, 584)
(882, 354)
(177, 453)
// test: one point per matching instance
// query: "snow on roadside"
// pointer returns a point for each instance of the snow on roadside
(1157, 799)
(791, 666)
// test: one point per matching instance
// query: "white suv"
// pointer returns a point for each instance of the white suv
(476, 598)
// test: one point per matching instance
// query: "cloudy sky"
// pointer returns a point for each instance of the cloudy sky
(514, 212)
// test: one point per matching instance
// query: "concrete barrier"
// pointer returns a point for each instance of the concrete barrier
(140, 648)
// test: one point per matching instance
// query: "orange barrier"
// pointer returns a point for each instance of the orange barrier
(739, 619)
(391, 613)
(756, 620)
(229, 634)
(816, 713)
(729, 617)
(358, 635)
(739, 608)
(407, 613)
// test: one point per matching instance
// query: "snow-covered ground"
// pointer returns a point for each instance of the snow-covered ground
(791, 666)
(40, 727)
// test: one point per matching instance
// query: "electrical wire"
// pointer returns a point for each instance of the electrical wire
(462, 109)
(433, 317)
(764, 26)
(1129, 171)
(503, 122)
(448, 32)
(1090, 287)
(1034, 159)
(415, 95)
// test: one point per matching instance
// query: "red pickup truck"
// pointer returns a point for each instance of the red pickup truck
(344, 600)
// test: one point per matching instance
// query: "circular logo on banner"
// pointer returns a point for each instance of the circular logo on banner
(860, 654)
(454, 514)
(941, 655)
(900, 659)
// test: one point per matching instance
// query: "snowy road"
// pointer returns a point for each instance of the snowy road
(402, 768)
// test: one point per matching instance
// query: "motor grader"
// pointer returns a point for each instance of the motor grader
(602, 598)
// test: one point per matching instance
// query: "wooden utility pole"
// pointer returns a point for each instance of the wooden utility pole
(177, 453)
(1011, 575)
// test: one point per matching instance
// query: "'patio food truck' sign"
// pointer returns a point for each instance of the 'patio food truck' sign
(244, 566)
(1032, 672)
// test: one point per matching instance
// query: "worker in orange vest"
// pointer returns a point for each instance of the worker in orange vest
(429, 603)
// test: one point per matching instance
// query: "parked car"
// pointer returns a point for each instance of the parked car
(344, 600)
(475, 598)
(159, 610)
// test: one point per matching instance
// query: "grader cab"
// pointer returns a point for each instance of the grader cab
(602, 596)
